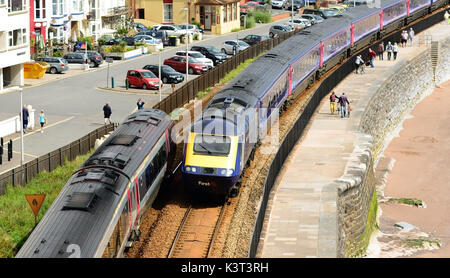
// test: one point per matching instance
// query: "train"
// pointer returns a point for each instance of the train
(222, 141)
(98, 212)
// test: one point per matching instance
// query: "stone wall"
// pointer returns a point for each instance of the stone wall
(443, 67)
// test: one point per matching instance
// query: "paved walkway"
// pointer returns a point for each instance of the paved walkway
(300, 207)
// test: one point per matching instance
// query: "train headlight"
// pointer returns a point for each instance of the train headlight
(194, 169)
(223, 172)
(229, 172)
(188, 169)
(226, 172)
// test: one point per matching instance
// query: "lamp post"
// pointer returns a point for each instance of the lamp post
(22, 158)
(187, 43)
(292, 12)
(159, 74)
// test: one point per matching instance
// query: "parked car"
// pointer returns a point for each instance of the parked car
(162, 35)
(168, 74)
(278, 29)
(113, 41)
(299, 23)
(296, 3)
(322, 13)
(139, 27)
(147, 39)
(279, 4)
(249, 6)
(142, 78)
(171, 30)
(191, 28)
(95, 58)
(212, 53)
(76, 58)
(313, 19)
(178, 63)
(198, 56)
(57, 64)
(254, 39)
(128, 40)
(228, 46)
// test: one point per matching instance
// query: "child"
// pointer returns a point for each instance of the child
(42, 120)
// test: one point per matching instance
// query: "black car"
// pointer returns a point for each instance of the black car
(254, 39)
(113, 41)
(162, 35)
(76, 58)
(128, 40)
(169, 75)
(94, 56)
(212, 53)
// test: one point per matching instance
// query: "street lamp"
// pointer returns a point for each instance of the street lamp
(187, 43)
(292, 12)
(159, 74)
(22, 158)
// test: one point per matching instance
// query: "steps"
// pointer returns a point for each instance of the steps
(434, 51)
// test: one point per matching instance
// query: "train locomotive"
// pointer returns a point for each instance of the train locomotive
(221, 142)
(98, 211)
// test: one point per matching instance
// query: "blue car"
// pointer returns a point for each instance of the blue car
(140, 27)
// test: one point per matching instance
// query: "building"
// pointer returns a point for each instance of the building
(216, 16)
(14, 42)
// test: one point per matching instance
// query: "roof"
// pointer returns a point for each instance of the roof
(215, 2)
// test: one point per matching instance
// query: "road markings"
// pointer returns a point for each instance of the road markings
(39, 130)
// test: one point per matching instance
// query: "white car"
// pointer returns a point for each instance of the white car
(171, 30)
(198, 56)
(228, 46)
(277, 3)
(299, 23)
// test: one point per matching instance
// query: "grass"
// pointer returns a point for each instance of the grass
(420, 243)
(407, 201)
(16, 216)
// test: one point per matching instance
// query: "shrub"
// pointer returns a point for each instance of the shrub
(262, 16)
(123, 44)
(195, 37)
(140, 44)
(250, 22)
(101, 41)
(196, 23)
(57, 54)
(122, 31)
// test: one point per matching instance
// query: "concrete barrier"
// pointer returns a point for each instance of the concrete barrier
(10, 126)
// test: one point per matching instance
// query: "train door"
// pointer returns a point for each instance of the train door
(133, 204)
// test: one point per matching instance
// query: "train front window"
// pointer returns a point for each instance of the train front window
(214, 145)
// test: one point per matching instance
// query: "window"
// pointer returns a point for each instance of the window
(235, 11)
(58, 7)
(17, 37)
(224, 13)
(17, 5)
(211, 144)
(39, 9)
(168, 15)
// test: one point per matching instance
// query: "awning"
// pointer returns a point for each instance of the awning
(215, 2)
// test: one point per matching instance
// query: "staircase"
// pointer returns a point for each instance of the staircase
(434, 57)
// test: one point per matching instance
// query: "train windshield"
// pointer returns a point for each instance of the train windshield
(210, 144)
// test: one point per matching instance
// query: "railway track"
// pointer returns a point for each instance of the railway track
(197, 232)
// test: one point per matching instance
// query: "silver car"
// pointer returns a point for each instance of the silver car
(278, 29)
(228, 47)
(57, 64)
(277, 3)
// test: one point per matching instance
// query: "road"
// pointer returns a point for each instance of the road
(74, 105)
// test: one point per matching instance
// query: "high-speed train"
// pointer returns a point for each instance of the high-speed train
(222, 141)
(98, 211)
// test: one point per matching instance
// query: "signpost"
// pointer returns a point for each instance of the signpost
(35, 201)
(109, 60)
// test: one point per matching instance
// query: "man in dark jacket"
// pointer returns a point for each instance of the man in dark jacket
(380, 50)
(25, 116)
(107, 113)
(343, 101)
(140, 104)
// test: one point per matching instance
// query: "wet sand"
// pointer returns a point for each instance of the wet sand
(422, 170)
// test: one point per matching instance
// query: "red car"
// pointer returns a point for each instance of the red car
(143, 79)
(178, 63)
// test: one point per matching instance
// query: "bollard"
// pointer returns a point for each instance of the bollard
(1, 153)
(112, 82)
(10, 153)
(127, 84)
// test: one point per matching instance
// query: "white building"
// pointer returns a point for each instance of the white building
(14, 41)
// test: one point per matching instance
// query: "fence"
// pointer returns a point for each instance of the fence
(299, 126)
(189, 90)
(21, 175)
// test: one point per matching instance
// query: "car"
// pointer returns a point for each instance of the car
(178, 63)
(322, 13)
(57, 64)
(162, 35)
(313, 19)
(278, 29)
(76, 58)
(212, 53)
(250, 6)
(147, 39)
(128, 40)
(229, 46)
(139, 27)
(279, 4)
(95, 58)
(296, 3)
(254, 39)
(113, 41)
(191, 27)
(171, 30)
(143, 78)
(299, 23)
(198, 56)
(168, 74)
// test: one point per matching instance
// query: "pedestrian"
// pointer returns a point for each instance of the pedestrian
(332, 102)
(411, 35)
(372, 56)
(395, 50)
(381, 50)
(389, 50)
(446, 18)
(358, 62)
(343, 101)
(404, 38)
(140, 104)
(25, 117)
(107, 113)
(42, 120)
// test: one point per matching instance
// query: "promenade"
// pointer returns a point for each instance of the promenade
(301, 218)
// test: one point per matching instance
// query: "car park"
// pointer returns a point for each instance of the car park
(168, 74)
(95, 58)
(142, 78)
(229, 46)
(76, 58)
(198, 56)
(212, 53)
(178, 63)
(254, 39)
(56, 64)
(278, 29)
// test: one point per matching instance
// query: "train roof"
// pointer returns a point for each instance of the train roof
(80, 215)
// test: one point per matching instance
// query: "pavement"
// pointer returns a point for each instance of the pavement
(300, 201)
(73, 100)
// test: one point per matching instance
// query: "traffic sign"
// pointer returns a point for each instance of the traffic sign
(35, 201)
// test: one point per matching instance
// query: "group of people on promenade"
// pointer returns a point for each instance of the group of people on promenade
(343, 104)
(26, 119)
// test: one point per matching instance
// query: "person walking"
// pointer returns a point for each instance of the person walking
(395, 50)
(404, 38)
(381, 51)
(140, 104)
(446, 18)
(107, 113)
(358, 62)
(332, 102)
(42, 120)
(411, 35)
(389, 50)
(25, 117)
(372, 56)
(343, 101)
